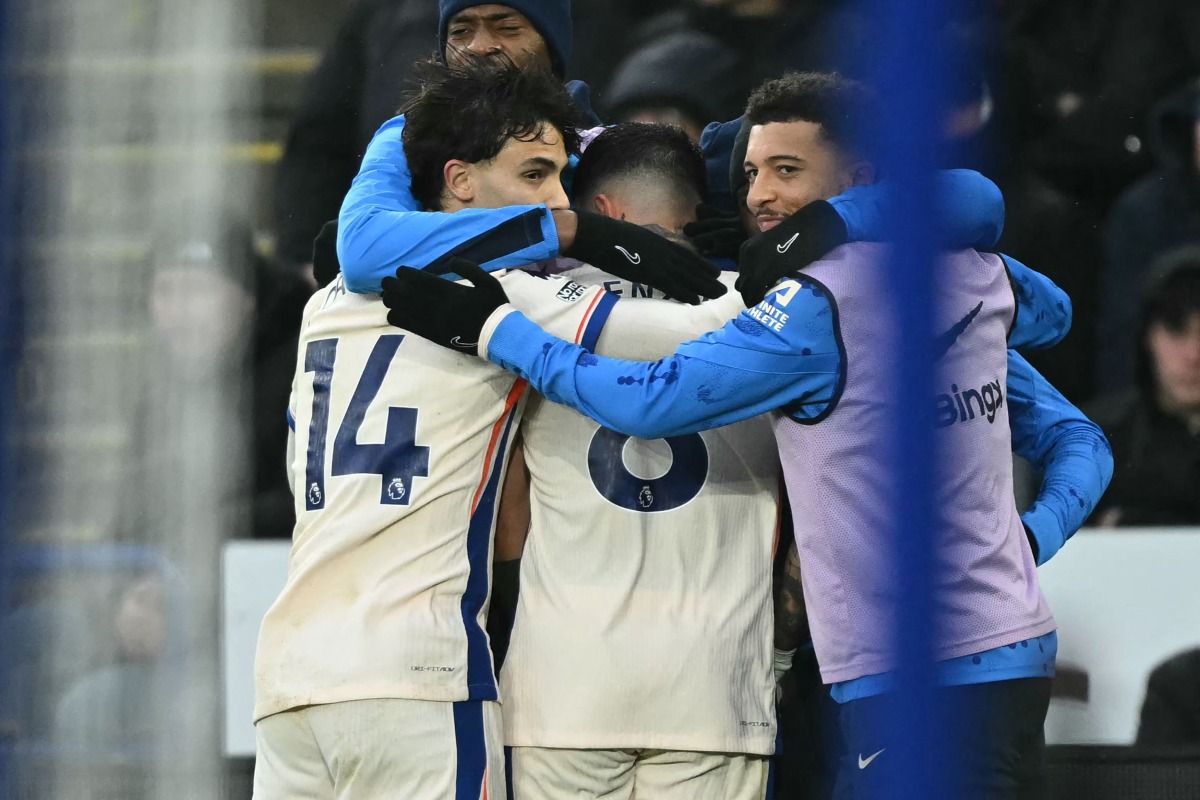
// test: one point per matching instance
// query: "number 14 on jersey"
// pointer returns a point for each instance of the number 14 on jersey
(397, 460)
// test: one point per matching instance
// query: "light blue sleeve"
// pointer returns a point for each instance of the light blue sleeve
(752, 365)
(971, 208)
(381, 226)
(1069, 450)
(1043, 310)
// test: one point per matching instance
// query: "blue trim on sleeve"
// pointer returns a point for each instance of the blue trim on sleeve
(291, 420)
(591, 333)
(510, 236)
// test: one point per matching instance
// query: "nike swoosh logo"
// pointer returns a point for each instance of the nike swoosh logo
(783, 248)
(634, 258)
(944, 342)
(863, 763)
(457, 342)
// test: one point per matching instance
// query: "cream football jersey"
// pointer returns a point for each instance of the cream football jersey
(645, 617)
(399, 451)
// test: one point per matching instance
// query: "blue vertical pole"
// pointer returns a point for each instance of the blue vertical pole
(909, 77)
(9, 332)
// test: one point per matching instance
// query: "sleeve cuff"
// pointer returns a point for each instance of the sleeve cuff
(489, 327)
(550, 234)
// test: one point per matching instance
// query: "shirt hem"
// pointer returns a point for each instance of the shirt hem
(449, 694)
(853, 672)
(627, 741)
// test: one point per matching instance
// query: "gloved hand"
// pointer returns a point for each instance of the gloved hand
(325, 258)
(716, 235)
(636, 254)
(444, 312)
(793, 244)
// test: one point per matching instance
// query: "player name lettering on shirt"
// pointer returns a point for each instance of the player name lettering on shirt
(769, 316)
(617, 287)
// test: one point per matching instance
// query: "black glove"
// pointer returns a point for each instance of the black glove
(793, 244)
(445, 313)
(716, 235)
(325, 259)
(636, 254)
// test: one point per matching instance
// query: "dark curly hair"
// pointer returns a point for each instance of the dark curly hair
(844, 108)
(468, 111)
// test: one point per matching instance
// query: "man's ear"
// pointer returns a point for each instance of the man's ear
(861, 173)
(603, 204)
(458, 178)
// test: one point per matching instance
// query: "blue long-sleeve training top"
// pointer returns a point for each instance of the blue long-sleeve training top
(382, 227)
(747, 368)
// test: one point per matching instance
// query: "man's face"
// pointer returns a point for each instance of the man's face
(522, 173)
(1176, 357)
(493, 29)
(789, 165)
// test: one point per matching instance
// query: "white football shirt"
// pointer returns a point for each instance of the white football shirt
(645, 617)
(399, 452)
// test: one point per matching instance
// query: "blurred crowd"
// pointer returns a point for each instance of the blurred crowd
(1085, 112)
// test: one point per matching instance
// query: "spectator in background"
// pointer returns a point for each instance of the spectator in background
(1157, 214)
(358, 87)
(1155, 429)
(222, 276)
(1044, 226)
(354, 90)
(124, 703)
(1081, 76)
(771, 37)
(1171, 711)
(686, 78)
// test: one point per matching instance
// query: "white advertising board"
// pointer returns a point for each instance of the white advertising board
(1125, 601)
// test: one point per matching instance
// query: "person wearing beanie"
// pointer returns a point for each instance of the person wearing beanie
(359, 84)
(524, 30)
(685, 79)
(382, 227)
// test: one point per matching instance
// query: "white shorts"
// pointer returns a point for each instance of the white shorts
(540, 773)
(416, 749)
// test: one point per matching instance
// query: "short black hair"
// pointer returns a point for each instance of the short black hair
(661, 152)
(844, 108)
(468, 111)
